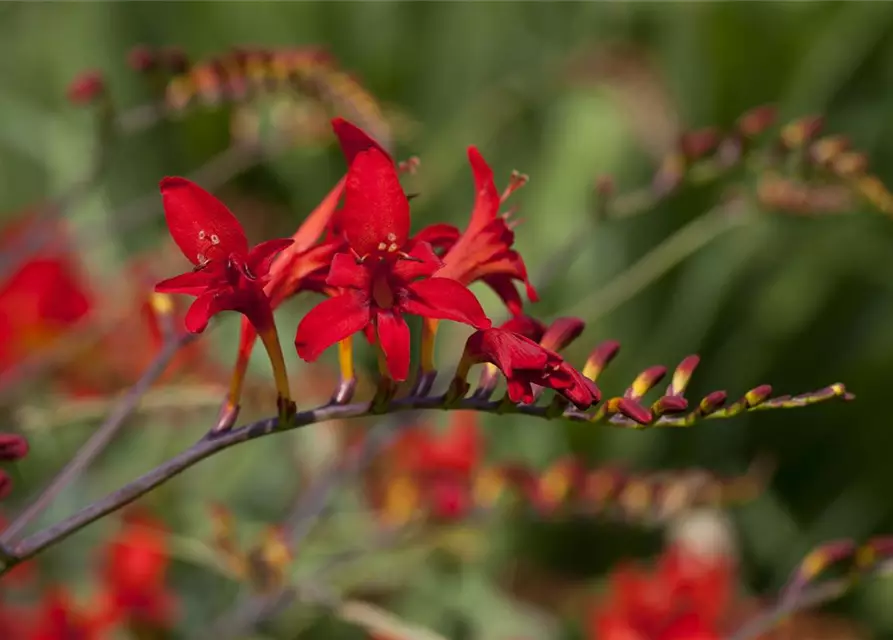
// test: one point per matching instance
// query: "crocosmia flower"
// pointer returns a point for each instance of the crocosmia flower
(44, 297)
(483, 251)
(428, 471)
(686, 597)
(385, 275)
(524, 363)
(134, 574)
(228, 276)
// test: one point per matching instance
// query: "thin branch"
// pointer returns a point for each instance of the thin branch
(97, 443)
(211, 445)
(809, 599)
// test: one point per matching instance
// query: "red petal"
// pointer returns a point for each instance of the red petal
(354, 140)
(439, 236)
(445, 299)
(248, 300)
(526, 326)
(376, 211)
(507, 350)
(329, 322)
(486, 202)
(316, 223)
(422, 262)
(260, 258)
(393, 338)
(195, 218)
(504, 287)
(519, 390)
(200, 312)
(192, 283)
(345, 272)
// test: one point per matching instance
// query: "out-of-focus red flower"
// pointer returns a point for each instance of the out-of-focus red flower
(228, 276)
(525, 363)
(483, 251)
(57, 618)
(133, 571)
(385, 275)
(43, 298)
(688, 595)
(430, 471)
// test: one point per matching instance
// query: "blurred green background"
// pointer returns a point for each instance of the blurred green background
(564, 92)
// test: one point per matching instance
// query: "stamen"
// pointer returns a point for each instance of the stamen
(215, 239)
(382, 246)
(201, 234)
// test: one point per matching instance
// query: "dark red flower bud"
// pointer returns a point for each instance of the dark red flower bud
(141, 58)
(174, 59)
(12, 447)
(754, 122)
(561, 333)
(86, 88)
(697, 144)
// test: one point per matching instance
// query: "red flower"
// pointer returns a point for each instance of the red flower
(431, 470)
(687, 596)
(43, 298)
(134, 570)
(380, 277)
(483, 251)
(525, 363)
(228, 276)
(301, 267)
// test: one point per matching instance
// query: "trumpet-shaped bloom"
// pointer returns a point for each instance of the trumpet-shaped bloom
(228, 276)
(483, 251)
(385, 275)
(524, 363)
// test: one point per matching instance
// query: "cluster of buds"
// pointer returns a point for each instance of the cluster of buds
(299, 75)
(847, 557)
(444, 479)
(374, 273)
(132, 592)
(798, 169)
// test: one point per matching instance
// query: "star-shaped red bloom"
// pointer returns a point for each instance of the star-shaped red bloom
(228, 276)
(524, 363)
(483, 251)
(385, 275)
